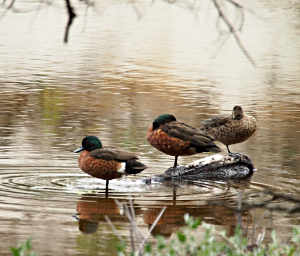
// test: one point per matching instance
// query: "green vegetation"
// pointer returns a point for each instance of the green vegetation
(187, 242)
(25, 249)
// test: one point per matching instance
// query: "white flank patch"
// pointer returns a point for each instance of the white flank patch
(206, 160)
(122, 168)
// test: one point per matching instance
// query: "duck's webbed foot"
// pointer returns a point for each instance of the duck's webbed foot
(235, 155)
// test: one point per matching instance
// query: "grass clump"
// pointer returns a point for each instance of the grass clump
(187, 241)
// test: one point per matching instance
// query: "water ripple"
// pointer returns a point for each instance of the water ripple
(43, 183)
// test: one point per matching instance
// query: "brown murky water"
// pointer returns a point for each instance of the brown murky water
(122, 67)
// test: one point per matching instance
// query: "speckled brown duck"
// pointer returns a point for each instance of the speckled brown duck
(232, 129)
(178, 139)
(106, 162)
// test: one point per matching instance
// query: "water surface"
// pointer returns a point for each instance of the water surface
(122, 67)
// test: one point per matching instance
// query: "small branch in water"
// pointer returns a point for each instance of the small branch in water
(150, 230)
(71, 15)
(232, 30)
(135, 233)
(282, 196)
(267, 203)
(112, 227)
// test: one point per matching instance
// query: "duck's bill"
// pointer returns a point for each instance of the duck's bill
(78, 150)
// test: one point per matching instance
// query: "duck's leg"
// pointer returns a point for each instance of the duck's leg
(175, 162)
(232, 154)
(106, 188)
(228, 149)
(174, 194)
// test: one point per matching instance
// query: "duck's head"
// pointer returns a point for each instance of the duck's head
(162, 119)
(237, 113)
(89, 143)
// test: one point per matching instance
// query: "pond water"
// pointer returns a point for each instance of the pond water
(124, 65)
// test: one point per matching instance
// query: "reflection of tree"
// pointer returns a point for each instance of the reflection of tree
(232, 25)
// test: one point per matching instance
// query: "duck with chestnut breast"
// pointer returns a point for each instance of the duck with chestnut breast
(106, 162)
(231, 129)
(178, 139)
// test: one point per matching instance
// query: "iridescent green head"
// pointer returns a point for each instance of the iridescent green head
(162, 119)
(89, 143)
(237, 113)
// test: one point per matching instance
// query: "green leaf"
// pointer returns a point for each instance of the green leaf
(172, 252)
(28, 245)
(161, 243)
(121, 247)
(181, 237)
(291, 251)
(196, 223)
(148, 248)
(16, 251)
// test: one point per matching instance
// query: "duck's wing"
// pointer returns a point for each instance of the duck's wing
(188, 133)
(111, 153)
(215, 122)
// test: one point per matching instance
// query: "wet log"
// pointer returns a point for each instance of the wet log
(216, 167)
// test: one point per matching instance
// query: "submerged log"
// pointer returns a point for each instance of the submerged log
(216, 167)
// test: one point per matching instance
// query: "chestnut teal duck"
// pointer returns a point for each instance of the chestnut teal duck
(178, 139)
(106, 162)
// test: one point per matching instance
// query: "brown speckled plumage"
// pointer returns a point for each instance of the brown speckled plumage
(232, 129)
(178, 139)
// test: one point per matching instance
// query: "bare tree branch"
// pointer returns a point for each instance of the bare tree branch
(72, 15)
(10, 6)
(232, 30)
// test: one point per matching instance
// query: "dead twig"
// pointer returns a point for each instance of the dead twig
(238, 5)
(113, 227)
(232, 30)
(71, 15)
(265, 204)
(10, 6)
(286, 197)
(150, 230)
(135, 233)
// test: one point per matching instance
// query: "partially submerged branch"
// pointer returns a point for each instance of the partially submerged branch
(272, 201)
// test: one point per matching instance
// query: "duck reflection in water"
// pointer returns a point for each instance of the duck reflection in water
(173, 218)
(106, 162)
(91, 211)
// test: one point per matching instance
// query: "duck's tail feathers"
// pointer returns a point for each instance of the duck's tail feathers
(211, 147)
(214, 149)
(133, 166)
